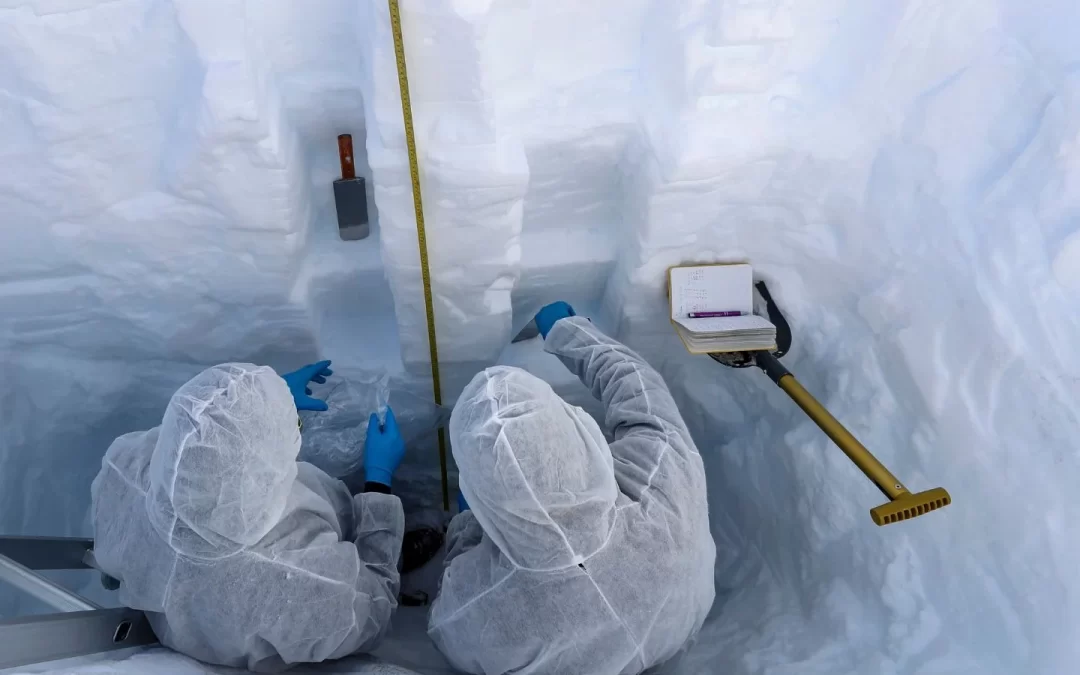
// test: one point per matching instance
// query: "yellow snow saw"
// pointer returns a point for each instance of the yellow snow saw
(902, 505)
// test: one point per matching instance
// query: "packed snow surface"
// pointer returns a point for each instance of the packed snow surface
(904, 173)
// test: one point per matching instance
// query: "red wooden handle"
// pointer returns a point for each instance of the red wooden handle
(348, 168)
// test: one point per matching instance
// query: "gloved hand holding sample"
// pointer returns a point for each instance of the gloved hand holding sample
(384, 448)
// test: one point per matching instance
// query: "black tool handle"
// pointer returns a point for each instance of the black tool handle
(771, 365)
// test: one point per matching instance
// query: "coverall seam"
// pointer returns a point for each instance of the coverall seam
(473, 601)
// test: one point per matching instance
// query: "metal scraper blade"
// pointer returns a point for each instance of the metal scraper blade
(528, 332)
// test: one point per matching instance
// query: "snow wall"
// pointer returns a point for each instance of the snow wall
(906, 174)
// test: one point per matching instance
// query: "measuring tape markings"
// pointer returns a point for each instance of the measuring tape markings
(421, 234)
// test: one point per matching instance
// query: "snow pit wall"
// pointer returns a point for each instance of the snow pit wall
(905, 174)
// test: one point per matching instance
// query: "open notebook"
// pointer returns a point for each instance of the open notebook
(725, 290)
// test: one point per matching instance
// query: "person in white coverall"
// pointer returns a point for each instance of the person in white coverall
(239, 554)
(577, 556)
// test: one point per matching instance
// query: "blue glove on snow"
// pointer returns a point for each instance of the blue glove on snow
(547, 316)
(384, 449)
(462, 505)
(298, 382)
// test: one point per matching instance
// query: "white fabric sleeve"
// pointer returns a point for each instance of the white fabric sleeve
(380, 526)
(640, 414)
(334, 492)
(463, 535)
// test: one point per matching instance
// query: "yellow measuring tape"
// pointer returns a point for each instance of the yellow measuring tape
(421, 235)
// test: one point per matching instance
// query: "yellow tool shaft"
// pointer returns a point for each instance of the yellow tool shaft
(421, 234)
(851, 446)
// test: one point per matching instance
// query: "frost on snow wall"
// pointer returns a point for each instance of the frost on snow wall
(906, 174)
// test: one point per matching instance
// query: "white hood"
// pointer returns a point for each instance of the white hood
(224, 462)
(535, 470)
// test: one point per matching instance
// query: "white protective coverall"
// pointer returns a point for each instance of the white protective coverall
(577, 556)
(239, 554)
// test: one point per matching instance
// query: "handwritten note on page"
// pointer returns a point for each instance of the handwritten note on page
(714, 288)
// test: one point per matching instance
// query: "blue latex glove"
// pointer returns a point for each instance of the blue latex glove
(298, 382)
(384, 449)
(462, 505)
(547, 316)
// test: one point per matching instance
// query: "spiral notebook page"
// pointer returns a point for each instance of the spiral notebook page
(718, 288)
(713, 288)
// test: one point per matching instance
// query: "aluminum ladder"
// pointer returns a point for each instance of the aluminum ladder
(79, 627)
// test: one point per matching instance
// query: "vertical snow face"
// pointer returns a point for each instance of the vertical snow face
(159, 209)
(905, 174)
